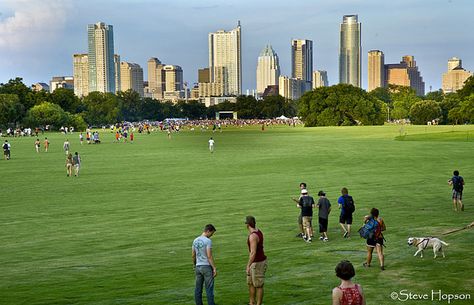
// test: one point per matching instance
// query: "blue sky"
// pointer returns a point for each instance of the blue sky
(38, 38)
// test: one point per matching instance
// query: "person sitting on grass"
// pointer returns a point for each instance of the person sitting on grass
(347, 293)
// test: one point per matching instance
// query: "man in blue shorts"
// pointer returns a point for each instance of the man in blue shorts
(458, 186)
(346, 204)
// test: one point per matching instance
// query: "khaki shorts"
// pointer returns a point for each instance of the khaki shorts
(257, 274)
(307, 220)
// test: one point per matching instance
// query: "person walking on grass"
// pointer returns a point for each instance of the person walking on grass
(81, 138)
(375, 239)
(66, 146)
(37, 145)
(347, 293)
(69, 164)
(46, 144)
(346, 204)
(6, 150)
(257, 263)
(300, 218)
(457, 182)
(306, 205)
(211, 145)
(76, 161)
(132, 137)
(324, 208)
(204, 265)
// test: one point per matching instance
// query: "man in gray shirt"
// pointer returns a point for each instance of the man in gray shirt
(324, 207)
(204, 265)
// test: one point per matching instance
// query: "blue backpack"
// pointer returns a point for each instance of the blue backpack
(368, 230)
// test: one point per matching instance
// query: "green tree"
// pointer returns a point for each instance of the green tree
(275, 106)
(11, 109)
(424, 111)
(192, 109)
(46, 113)
(25, 95)
(467, 109)
(340, 105)
(130, 105)
(246, 106)
(450, 102)
(77, 121)
(437, 96)
(102, 108)
(467, 89)
(66, 99)
(403, 98)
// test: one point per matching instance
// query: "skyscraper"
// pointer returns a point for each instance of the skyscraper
(102, 70)
(291, 88)
(454, 78)
(268, 69)
(225, 60)
(376, 73)
(320, 79)
(131, 77)
(156, 78)
(302, 59)
(350, 51)
(81, 74)
(173, 83)
(203, 75)
(405, 73)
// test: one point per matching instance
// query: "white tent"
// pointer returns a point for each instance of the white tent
(282, 117)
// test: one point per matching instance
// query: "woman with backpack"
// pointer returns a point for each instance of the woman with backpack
(347, 293)
(375, 238)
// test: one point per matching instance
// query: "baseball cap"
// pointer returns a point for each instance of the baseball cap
(304, 191)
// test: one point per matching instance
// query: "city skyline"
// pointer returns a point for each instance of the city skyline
(42, 46)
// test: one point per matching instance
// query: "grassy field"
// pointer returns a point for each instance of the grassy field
(121, 233)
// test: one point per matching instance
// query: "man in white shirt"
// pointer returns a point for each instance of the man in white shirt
(211, 145)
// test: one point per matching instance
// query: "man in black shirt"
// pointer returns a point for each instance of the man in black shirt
(307, 204)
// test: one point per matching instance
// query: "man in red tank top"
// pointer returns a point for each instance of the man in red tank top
(257, 264)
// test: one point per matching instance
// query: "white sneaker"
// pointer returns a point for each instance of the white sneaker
(326, 239)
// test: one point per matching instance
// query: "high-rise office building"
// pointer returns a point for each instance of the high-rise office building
(292, 88)
(268, 69)
(173, 83)
(204, 76)
(156, 78)
(376, 73)
(225, 60)
(81, 74)
(320, 79)
(102, 68)
(405, 73)
(117, 72)
(454, 78)
(350, 51)
(131, 77)
(302, 59)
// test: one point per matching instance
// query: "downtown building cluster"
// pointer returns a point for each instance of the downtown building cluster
(100, 69)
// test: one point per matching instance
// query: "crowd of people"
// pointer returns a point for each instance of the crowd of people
(348, 292)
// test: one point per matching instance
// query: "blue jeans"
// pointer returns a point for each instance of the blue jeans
(204, 276)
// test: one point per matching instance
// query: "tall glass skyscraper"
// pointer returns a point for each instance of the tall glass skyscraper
(225, 60)
(350, 51)
(102, 69)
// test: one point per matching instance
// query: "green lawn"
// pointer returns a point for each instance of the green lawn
(121, 233)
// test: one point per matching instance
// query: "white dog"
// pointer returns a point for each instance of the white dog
(425, 242)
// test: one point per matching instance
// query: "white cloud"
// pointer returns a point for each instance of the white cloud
(32, 22)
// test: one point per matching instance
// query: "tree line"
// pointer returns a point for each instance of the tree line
(325, 106)
(347, 105)
(22, 106)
